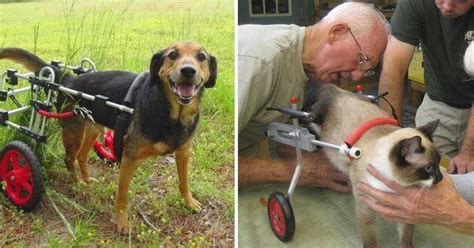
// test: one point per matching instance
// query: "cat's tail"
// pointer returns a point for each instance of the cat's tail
(318, 99)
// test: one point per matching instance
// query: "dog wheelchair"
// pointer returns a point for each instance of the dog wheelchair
(20, 173)
(280, 211)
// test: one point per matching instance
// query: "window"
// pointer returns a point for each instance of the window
(270, 7)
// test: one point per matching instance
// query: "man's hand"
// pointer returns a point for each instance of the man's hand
(437, 204)
(462, 163)
(317, 171)
(323, 174)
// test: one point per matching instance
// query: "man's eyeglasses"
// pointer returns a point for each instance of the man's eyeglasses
(365, 64)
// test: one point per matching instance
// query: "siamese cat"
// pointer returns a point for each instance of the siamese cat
(405, 155)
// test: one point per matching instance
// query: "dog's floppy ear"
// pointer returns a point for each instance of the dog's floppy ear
(155, 65)
(212, 73)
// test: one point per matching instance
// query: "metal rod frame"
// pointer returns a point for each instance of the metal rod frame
(299, 158)
(38, 122)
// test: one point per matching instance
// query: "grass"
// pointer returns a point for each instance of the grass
(123, 35)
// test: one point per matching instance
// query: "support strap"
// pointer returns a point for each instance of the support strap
(65, 115)
(355, 135)
(124, 118)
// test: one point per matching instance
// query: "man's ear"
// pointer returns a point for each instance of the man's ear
(155, 65)
(336, 32)
(212, 73)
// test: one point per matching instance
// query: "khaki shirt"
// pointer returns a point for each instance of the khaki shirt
(270, 73)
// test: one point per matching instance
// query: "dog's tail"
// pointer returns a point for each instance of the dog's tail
(23, 57)
(34, 63)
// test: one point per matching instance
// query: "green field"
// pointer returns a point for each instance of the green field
(123, 35)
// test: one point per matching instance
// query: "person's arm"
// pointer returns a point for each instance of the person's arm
(463, 162)
(441, 204)
(253, 75)
(396, 59)
(317, 170)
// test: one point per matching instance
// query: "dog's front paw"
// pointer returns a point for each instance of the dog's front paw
(121, 225)
(81, 181)
(85, 181)
(90, 180)
(193, 204)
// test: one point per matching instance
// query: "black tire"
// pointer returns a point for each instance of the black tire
(29, 175)
(281, 217)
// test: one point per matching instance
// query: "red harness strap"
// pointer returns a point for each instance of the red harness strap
(355, 135)
(64, 115)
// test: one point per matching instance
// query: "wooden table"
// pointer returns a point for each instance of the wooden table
(417, 89)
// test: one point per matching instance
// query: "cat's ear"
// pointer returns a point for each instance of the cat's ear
(411, 146)
(429, 128)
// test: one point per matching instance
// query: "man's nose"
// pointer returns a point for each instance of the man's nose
(345, 74)
(448, 5)
(357, 75)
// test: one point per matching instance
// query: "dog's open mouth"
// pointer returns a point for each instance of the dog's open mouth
(184, 91)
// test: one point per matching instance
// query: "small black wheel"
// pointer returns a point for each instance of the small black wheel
(280, 214)
(20, 176)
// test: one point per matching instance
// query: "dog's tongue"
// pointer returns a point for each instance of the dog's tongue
(185, 90)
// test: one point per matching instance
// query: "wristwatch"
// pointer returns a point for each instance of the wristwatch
(469, 36)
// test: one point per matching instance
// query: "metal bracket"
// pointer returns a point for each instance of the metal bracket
(3, 95)
(3, 117)
(11, 78)
(38, 105)
(284, 133)
(31, 134)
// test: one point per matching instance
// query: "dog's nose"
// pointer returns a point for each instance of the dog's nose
(188, 72)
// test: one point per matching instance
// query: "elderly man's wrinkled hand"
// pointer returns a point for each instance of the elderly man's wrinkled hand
(412, 204)
(462, 163)
(324, 174)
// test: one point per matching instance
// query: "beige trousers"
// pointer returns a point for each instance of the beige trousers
(449, 135)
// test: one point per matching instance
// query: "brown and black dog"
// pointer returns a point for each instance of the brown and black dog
(167, 105)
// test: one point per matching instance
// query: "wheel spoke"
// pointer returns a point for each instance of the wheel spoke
(17, 191)
(15, 163)
(27, 186)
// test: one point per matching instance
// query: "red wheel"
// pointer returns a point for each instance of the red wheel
(20, 176)
(280, 214)
(105, 151)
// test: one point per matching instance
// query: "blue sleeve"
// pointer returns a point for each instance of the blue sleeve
(465, 185)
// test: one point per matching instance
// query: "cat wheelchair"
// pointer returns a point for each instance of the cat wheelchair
(280, 211)
(20, 172)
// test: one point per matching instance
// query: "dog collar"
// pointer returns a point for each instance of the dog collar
(355, 135)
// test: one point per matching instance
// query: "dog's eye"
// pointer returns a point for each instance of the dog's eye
(201, 57)
(173, 55)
